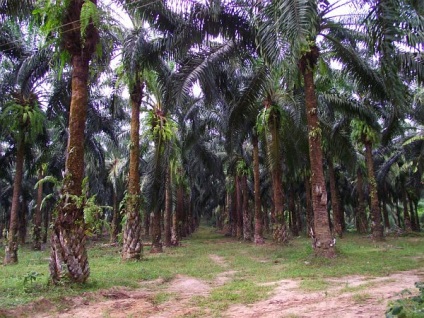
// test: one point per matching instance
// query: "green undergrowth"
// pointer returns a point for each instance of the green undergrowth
(252, 266)
(408, 306)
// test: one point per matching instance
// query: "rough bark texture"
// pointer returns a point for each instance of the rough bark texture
(259, 235)
(323, 242)
(68, 236)
(11, 250)
(280, 233)
(68, 254)
(247, 222)
(376, 226)
(132, 246)
(335, 200)
(37, 218)
(361, 217)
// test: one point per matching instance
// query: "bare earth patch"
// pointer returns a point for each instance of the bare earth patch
(336, 301)
(352, 296)
(218, 260)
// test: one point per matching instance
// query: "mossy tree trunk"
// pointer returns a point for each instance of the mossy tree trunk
(68, 253)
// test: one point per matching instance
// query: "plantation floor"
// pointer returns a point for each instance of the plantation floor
(350, 296)
(213, 276)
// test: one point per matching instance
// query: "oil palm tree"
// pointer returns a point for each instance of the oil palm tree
(24, 119)
(289, 29)
(79, 38)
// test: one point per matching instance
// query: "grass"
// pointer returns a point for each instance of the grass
(361, 298)
(314, 285)
(254, 265)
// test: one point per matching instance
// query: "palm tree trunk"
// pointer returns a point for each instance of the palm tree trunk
(239, 210)
(23, 212)
(323, 240)
(335, 200)
(266, 217)
(233, 211)
(280, 233)
(407, 217)
(11, 250)
(47, 220)
(116, 220)
(258, 236)
(156, 231)
(294, 226)
(68, 253)
(385, 211)
(416, 215)
(68, 237)
(228, 216)
(36, 244)
(299, 217)
(361, 217)
(132, 246)
(376, 226)
(412, 214)
(247, 223)
(309, 209)
(168, 209)
(176, 220)
(398, 214)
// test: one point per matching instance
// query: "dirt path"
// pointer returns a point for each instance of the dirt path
(354, 296)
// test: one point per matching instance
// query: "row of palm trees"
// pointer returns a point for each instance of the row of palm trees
(307, 114)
